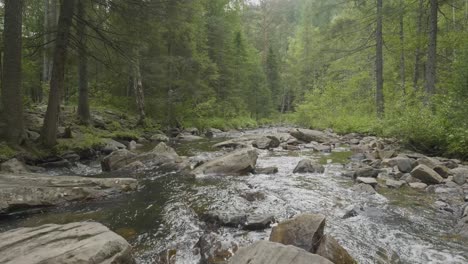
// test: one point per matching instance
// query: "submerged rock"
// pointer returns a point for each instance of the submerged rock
(75, 243)
(426, 175)
(258, 222)
(303, 231)
(239, 162)
(215, 249)
(309, 166)
(330, 249)
(264, 252)
(267, 170)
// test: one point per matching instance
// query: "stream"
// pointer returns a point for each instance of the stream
(395, 226)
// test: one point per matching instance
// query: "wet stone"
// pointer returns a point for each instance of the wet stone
(215, 249)
(259, 222)
(267, 170)
(367, 180)
(364, 188)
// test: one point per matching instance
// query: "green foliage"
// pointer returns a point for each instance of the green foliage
(84, 142)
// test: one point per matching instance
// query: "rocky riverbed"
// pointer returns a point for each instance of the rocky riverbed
(200, 199)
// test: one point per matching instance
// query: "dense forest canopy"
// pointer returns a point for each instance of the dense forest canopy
(394, 68)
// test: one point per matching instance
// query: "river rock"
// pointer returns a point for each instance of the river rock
(75, 243)
(218, 218)
(303, 231)
(364, 188)
(395, 184)
(258, 222)
(367, 172)
(429, 162)
(159, 138)
(442, 170)
(460, 175)
(13, 166)
(308, 135)
(367, 180)
(404, 165)
(426, 175)
(264, 252)
(132, 145)
(350, 211)
(215, 249)
(309, 166)
(185, 137)
(36, 190)
(459, 179)
(111, 146)
(117, 160)
(418, 185)
(267, 170)
(385, 154)
(330, 249)
(267, 142)
(239, 162)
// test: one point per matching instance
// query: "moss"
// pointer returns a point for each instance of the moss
(6, 152)
(82, 142)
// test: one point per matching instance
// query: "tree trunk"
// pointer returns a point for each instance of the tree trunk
(45, 62)
(432, 49)
(139, 93)
(402, 51)
(11, 86)
(379, 62)
(49, 130)
(417, 62)
(83, 99)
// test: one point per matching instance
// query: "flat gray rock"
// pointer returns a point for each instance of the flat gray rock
(264, 252)
(75, 243)
(426, 175)
(241, 162)
(36, 190)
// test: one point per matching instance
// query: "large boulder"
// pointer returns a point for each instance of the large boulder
(264, 252)
(239, 162)
(111, 146)
(35, 190)
(426, 175)
(308, 135)
(13, 166)
(267, 142)
(162, 154)
(308, 166)
(117, 160)
(75, 243)
(330, 249)
(303, 231)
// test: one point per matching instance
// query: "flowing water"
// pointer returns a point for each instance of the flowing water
(399, 226)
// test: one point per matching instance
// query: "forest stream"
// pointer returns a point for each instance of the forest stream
(392, 226)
